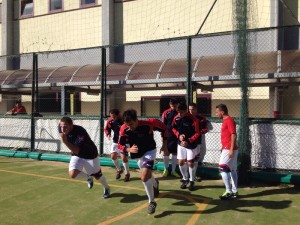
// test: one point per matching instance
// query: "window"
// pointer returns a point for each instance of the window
(55, 5)
(26, 7)
(87, 2)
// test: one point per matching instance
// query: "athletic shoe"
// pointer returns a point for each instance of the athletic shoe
(198, 179)
(106, 193)
(235, 194)
(90, 182)
(184, 184)
(226, 196)
(175, 174)
(165, 173)
(119, 172)
(192, 186)
(156, 189)
(126, 178)
(151, 207)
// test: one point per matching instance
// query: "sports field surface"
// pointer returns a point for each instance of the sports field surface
(36, 192)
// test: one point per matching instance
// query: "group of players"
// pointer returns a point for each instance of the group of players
(181, 133)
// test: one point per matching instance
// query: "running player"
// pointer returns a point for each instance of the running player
(228, 159)
(167, 118)
(201, 148)
(136, 137)
(113, 124)
(186, 129)
(84, 154)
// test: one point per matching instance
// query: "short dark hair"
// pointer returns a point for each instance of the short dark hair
(193, 104)
(67, 120)
(114, 111)
(223, 108)
(18, 101)
(182, 106)
(173, 101)
(130, 115)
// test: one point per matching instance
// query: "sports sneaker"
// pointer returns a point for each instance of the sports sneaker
(235, 194)
(165, 173)
(184, 184)
(226, 196)
(90, 182)
(126, 178)
(175, 174)
(156, 189)
(151, 207)
(106, 193)
(192, 186)
(119, 172)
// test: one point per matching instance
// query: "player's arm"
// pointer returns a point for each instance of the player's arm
(162, 128)
(197, 131)
(73, 148)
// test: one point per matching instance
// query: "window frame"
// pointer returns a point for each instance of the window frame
(32, 8)
(55, 10)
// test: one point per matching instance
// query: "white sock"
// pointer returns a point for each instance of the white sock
(226, 180)
(184, 171)
(117, 164)
(174, 162)
(166, 162)
(126, 167)
(192, 173)
(102, 180)
(234, 181)
(82, 175)
(149, 190)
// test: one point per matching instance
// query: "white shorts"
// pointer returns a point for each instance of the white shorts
(114, 148)
(185, 153)
(91, 166)
(147, 160)
(231, 163)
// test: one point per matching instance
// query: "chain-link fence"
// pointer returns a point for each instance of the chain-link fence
(144, 76)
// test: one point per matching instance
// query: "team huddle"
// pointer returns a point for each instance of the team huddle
(182, 132)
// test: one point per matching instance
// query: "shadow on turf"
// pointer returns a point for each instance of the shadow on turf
(242, 204)
(129, 198)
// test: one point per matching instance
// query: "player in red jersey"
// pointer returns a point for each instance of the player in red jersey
(136, 138)
(228, 159)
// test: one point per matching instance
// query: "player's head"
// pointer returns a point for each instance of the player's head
(130, 119)
(66, 125)
(182, 109)
(18, 102)
(221, 110)
(114, 113)
(193, 108)
(173, 103)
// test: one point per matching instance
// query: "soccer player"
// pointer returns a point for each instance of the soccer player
(167, 118)
(113, 124)
(228, 159)
(136, 137)
(201, 148)
(186, 129)
(84, 154)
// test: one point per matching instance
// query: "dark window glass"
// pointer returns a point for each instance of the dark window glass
(86, 2)
(26, 7)
(55, 5)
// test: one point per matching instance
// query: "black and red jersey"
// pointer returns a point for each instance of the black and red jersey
(167, 118)
(79, 137)
(113, 125)
(203, 127)
(189, 126)
(142, 136)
